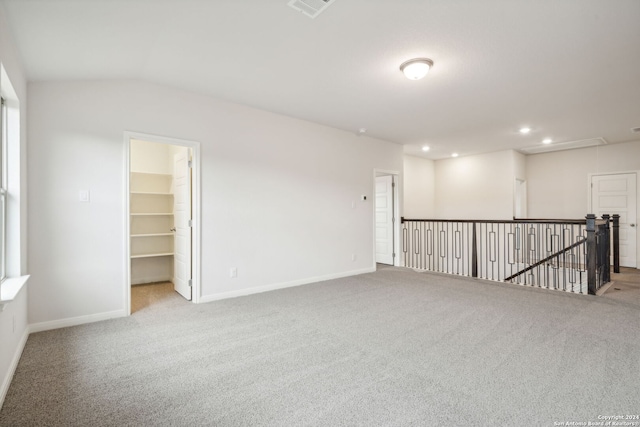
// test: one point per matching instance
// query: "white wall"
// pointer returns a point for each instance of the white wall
(476, 187)
(13, 320)
(151, 157)
(520, 166)
(558, 182)
(277, 194)
(419, 187)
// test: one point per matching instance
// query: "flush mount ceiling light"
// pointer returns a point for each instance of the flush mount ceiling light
(547, 141)
(525, 130)
(415, 69)
(425, 148)
(454, 155)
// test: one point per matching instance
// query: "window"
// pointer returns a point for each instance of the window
(3, 190)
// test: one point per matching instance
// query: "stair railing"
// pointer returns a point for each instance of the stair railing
(554, 254)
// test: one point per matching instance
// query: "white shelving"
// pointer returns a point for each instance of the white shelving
(151, 209)
(151, 255)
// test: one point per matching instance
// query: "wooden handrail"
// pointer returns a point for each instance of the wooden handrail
(502, 221)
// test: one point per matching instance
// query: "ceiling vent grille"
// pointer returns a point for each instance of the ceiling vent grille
(569, 145)
(311, 8)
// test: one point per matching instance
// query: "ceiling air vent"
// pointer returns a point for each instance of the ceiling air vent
(311, 8)
(569, 145)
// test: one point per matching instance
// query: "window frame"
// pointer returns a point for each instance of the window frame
(3, 189)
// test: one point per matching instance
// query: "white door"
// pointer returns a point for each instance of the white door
(616, 194)
(384, 219)
(182, 216)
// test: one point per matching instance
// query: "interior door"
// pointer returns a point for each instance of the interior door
(616, 194)
(384, 219)
(182, 228)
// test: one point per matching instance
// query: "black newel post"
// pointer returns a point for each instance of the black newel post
(405, 242)
(591, 254)
(616, 243)
(606, 249)
(474, 252)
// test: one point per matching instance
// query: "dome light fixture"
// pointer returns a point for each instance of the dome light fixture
(547, 141)
(454, 154)
(415, 69)
(525, 130)
(425, 148)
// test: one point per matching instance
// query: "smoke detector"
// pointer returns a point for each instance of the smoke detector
(311, 8)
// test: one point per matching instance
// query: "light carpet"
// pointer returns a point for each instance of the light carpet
(390, 348)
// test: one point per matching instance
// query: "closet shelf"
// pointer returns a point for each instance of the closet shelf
(151, 242)
(152, 193)
(151, 255)
(167, 175)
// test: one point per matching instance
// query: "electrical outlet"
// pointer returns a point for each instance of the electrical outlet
(84, 196)
(233, 272)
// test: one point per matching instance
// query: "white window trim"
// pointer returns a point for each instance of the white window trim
(10, 289)
(3, 191)
(14, 281)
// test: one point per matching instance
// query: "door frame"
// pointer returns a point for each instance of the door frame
(195, 209)
(589, 201)
(396, 214)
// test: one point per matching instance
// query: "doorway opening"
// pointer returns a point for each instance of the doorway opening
(386, 218)
(162, 205)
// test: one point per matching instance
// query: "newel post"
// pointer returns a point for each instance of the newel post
(591, 254)
(474, 252)
(606, 249)
(616, 243)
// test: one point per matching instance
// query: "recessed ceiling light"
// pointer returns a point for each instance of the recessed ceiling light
(525, 130)
(454, 155)
(547, 141)
(425, 148)
(415, 69)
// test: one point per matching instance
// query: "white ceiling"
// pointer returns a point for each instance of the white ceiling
(569, 69)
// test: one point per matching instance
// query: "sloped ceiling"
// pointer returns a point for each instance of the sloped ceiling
(569, 69)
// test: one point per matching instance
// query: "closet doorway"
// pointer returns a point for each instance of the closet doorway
(161, 220)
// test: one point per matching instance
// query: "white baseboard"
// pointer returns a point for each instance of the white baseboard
(273, 287)
(151, 279)
(6, 382)
(75, 321)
